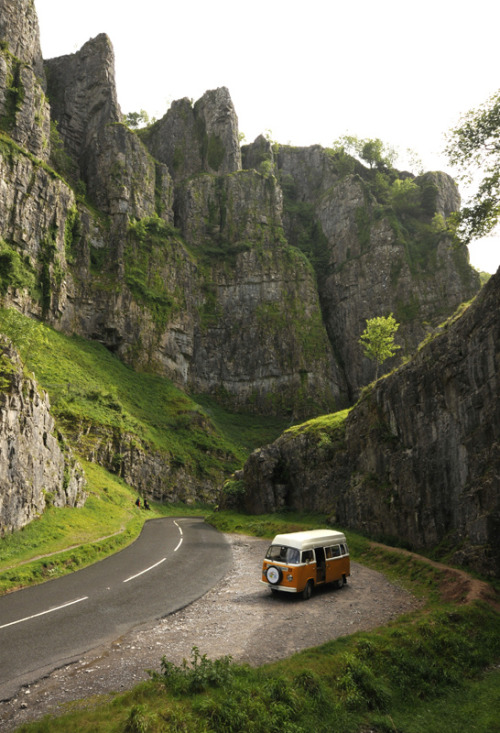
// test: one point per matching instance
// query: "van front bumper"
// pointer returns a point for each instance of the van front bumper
(279, 587)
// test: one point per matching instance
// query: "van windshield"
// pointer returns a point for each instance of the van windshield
(281, 553)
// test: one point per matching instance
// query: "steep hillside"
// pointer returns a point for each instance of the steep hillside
(137, 426)
(417, 460)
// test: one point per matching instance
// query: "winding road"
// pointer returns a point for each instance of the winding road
(171, 564)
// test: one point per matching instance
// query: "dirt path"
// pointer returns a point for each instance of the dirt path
(458, 586)
(239, 617)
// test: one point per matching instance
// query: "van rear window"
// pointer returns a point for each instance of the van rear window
(281, 553)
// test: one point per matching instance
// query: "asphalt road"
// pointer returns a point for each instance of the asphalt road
(171, 564)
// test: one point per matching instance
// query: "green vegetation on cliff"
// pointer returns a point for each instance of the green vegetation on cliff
(91, 391)
(153, 246)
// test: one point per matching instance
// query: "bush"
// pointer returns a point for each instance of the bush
(195, 676)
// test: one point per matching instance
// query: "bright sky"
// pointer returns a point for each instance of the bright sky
(304, 72)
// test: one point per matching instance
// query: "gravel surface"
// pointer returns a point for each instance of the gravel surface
(239, 617)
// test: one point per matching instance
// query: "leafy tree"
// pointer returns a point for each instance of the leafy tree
(137, 119)
(373, 151)
(377, 339)
(472, 146)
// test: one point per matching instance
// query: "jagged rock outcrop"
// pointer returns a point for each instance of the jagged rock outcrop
(20, 32)
(82, 92)
(120, 177)
(24, 110)
(418, 459)
(199, 138)
(36, 467)
(36, 211)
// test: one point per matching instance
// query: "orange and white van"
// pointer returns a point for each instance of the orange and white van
(299, 561)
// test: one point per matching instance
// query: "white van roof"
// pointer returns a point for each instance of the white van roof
(309, 539)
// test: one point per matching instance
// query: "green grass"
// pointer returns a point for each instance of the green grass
(265, 525)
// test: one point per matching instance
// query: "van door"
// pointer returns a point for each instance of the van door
(320, 565)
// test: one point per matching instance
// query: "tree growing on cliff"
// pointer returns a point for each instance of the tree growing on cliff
(134, 120)
(474, 146)
(374, 152)
(377, 339)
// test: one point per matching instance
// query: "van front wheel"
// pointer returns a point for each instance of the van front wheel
(307, 592)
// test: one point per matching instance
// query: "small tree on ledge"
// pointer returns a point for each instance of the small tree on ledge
(377, 339)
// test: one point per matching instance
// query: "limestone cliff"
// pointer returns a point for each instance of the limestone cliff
(36, 466)
(246, 274)
(199, 138)
(24, 110)
(380, 247)
(227, 301)
(417, 460)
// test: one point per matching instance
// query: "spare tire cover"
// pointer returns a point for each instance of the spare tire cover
(273, 574)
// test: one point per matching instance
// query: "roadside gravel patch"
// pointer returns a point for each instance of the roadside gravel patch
(240, 617)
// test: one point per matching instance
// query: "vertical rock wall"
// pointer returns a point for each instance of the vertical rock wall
(35, 468)
(24, 110)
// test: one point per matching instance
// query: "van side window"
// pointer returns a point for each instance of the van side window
(328, 553)
(307, 556)
(336, 551)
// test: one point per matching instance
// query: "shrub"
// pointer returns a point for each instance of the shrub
(195, 676)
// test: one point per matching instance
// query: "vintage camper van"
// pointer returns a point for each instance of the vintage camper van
(299, 561)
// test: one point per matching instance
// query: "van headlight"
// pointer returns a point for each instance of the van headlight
(289, 577)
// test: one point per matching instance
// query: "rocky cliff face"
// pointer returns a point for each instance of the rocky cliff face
(199, 138)
(418, 459)
(379, 249)
(24, 109)
(36, 467)
(247, 274)
(224, 302)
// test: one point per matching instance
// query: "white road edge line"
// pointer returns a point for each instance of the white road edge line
(43, 613)
(145, 571)
(181, 532)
